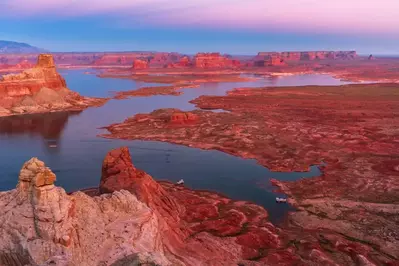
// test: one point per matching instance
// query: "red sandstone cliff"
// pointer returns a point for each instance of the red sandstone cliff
(271, 58)
(213, 60)
(24, 64)
(184, 62)
(120, 59)
(139, 64)
(39, 89)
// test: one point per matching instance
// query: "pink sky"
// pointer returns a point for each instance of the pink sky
(345, 16)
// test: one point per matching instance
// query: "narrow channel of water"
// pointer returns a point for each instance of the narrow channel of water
(79, 153)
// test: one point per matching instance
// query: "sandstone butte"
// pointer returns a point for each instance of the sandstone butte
(40, 89)
(115, 59)
(214, 60)
(350, 130)
(184, 62)
(311, 55)
(133, 220)
(139, 64)
(281, 58)
(175, 60)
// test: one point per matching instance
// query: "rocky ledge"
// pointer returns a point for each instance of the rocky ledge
(350, 130)
(40, 89)
(133, 220)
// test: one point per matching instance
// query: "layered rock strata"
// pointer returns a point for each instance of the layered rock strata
(40, 89)
(311, 55)
(213, 60)
(139, 64)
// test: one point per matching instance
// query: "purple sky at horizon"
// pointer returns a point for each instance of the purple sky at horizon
(232, 26)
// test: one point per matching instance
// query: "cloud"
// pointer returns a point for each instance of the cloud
(345, 16)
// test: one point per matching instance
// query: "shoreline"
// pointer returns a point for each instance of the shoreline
(291, 128)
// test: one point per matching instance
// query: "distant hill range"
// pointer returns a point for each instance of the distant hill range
(9, 47)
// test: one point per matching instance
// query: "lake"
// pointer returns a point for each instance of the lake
(78, 157)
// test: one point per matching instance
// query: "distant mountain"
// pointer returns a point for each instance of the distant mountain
(9, 47)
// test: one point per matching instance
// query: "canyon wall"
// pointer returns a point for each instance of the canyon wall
(140, 64)
(172, 60)
(214, 60)
(310, 55)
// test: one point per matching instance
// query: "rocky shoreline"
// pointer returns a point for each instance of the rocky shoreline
(133, 219)
(350, 128)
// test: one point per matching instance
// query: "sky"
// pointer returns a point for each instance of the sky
(189, 26)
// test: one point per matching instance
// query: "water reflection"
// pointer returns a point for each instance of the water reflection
(48, 126)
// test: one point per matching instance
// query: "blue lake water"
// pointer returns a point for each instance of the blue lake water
(79, 153)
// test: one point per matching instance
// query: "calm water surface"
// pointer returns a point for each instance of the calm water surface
(79, 153)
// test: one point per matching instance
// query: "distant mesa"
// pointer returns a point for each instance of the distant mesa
(184, 62)
(140, 64)
(10, 47)
(21, 65)
(214, 60)
(119, 59)
(277, 58)
(371, 57)
(158, 60)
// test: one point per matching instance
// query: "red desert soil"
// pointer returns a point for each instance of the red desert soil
(353, 129)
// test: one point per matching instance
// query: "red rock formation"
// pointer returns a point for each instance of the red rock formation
(160, 60)
(183, 118)
(184, 62)
(24, 64)
(139, 221)
(271, 60)
(305, 56)
(292, 56)
(190, 216)
(139, 64)
(213, 60)
(347, 213)
(119, 173)
(39, 89)
(121, 59)
(29, 82)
